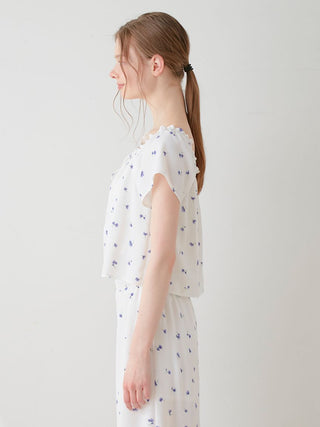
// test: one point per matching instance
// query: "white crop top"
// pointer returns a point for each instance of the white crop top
(126, 233)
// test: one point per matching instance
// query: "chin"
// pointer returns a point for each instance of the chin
(130, 95)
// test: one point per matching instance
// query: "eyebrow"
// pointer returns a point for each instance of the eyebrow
(117, 56)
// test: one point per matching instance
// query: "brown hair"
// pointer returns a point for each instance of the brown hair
(159, 33)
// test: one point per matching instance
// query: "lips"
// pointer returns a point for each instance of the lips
(120, 86)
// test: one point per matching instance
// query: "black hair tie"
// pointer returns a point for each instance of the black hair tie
(188, 68)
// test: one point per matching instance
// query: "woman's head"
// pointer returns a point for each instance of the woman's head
(145, 43)
(138, 77)
(152, 47)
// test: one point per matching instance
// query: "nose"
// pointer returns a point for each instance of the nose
(113, 74)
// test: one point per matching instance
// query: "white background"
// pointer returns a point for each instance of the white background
(258, 68)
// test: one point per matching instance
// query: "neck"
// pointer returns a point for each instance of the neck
(167, 106)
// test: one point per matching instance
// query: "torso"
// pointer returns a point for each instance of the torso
(126, 234)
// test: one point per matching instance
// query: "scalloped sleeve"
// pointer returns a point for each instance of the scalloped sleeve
(174, 159)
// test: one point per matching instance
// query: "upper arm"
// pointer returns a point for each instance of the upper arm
(164, 218)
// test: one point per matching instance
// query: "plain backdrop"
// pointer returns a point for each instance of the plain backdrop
(258, 67)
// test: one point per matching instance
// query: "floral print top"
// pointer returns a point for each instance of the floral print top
(126, 232)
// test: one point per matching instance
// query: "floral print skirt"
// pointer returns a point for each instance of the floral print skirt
(174, 399)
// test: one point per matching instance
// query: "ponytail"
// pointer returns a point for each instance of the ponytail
(192, 101)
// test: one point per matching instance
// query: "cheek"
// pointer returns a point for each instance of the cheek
(130, 75)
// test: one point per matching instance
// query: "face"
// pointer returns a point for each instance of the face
(129, 84)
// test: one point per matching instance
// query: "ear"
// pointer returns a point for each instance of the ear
(157, 65)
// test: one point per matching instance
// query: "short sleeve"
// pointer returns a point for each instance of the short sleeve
(170, 155)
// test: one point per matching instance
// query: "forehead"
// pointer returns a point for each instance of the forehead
(117, 50)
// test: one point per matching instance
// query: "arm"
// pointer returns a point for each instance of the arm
(163, 229)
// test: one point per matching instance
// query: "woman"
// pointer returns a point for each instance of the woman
(152, 232)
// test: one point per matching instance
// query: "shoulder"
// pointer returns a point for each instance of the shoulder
(169, 153)
(170, 141)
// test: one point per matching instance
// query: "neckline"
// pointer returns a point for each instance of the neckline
(149, 136)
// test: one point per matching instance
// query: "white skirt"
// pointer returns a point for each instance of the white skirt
(174, 399)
